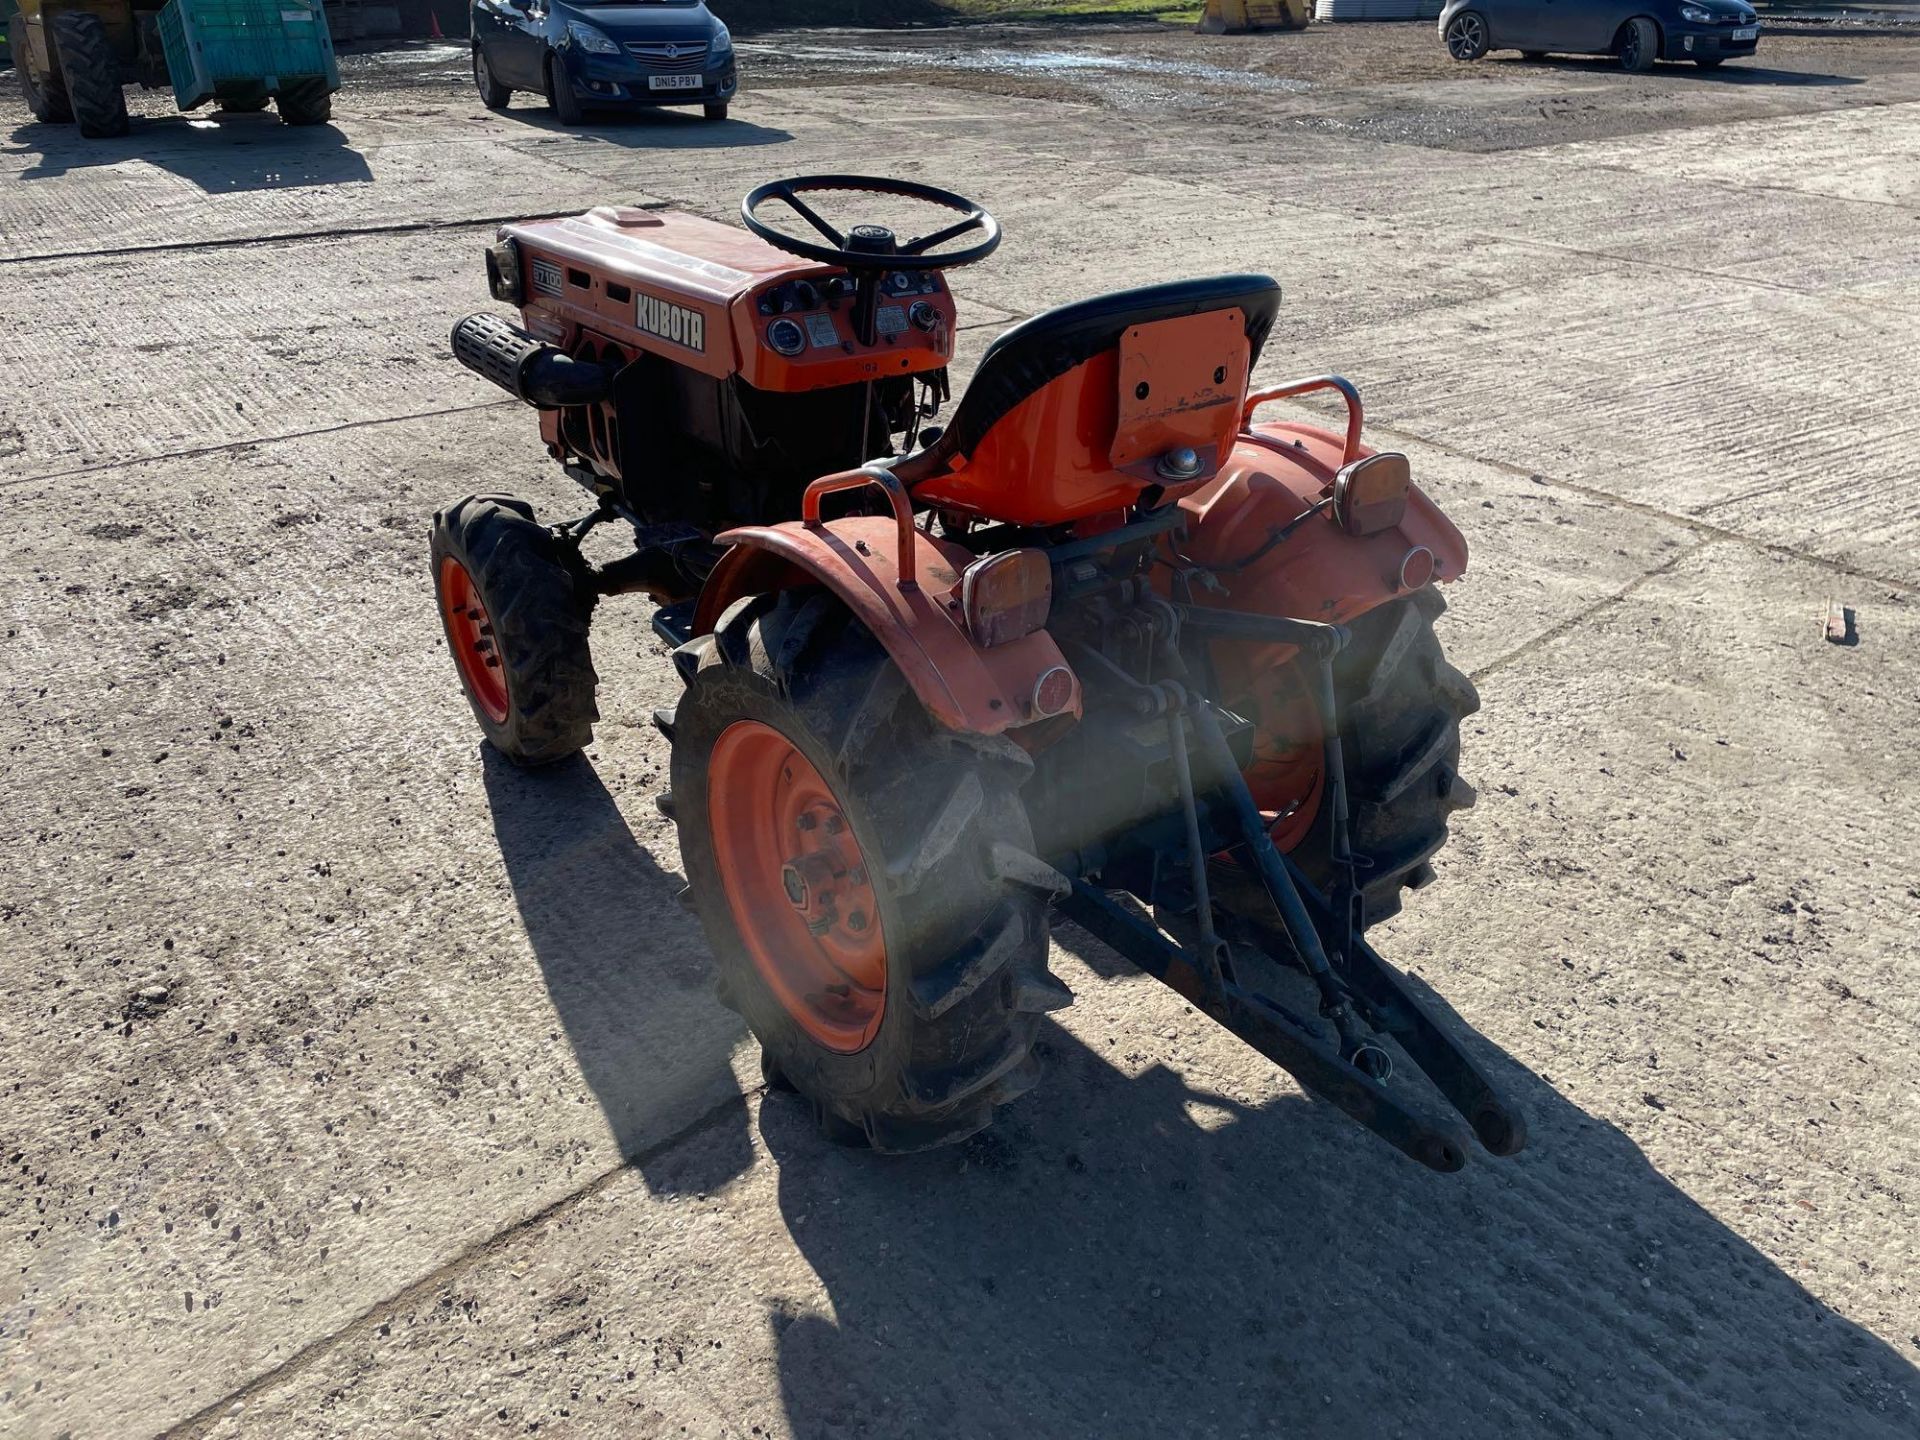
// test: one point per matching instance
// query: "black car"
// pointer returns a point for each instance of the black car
(1706, 32)
(609, 54)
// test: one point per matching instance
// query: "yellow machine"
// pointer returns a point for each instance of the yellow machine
(74, 57)
(1239, 17)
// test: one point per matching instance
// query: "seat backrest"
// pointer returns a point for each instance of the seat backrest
(1060, 419)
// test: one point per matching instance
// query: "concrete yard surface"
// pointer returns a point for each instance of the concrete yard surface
(357, 1083)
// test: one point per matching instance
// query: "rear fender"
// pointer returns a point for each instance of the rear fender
(1319, 572)
(965, 686)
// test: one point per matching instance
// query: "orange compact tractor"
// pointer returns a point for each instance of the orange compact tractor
(1104, 645)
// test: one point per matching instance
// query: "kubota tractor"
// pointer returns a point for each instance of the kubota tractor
(1104, 646)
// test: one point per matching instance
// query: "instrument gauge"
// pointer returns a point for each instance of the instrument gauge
(786, 337)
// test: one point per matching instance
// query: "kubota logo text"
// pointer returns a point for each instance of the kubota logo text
(671, 322)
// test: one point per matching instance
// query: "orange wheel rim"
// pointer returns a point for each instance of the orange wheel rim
(798, 885)
(470, 635)
(1288, 775)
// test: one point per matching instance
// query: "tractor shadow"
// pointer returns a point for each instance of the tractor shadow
(1123, 1255)
(649, 129)
(626, 966)
(221, 153)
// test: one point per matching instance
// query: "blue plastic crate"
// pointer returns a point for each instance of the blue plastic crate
(244, 49)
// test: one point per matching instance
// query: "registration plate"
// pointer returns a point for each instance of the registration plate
(1752, 32)
(673, 82)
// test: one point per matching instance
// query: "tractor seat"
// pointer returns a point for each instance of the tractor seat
(1038, 351)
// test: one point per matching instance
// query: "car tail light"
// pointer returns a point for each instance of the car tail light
(1005, 596)
(1370, 495)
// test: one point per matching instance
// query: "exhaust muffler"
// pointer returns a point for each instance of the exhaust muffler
(528, 369)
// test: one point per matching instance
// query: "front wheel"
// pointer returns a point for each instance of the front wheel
(493, 94)
(1639, 46)
(91, 72)
(864, 878)
(1467, 35)
(1710, 62)
(715, 112)
(516, 623)
(560, 97)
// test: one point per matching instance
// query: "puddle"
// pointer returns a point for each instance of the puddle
(988, 60)
(431, 52)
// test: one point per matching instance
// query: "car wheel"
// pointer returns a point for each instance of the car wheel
(1639, 45)
(1710, 62)
(493, 94)
(1467, 35)
(560, 97)
(1533, 54)
(715, 112)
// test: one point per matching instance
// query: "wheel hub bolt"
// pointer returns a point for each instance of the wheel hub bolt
(795, 887)
(857, 921)
(835, 824)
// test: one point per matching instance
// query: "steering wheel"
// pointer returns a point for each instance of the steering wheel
(872, 247)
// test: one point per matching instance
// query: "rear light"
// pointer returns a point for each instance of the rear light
(1053, 692)
(1416, 568)
(503, 272)
(1005, 596)
(1370, 495)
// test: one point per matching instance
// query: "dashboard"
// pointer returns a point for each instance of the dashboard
(809, 322)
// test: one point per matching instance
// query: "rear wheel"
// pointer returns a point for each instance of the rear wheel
(1401, 705)
(91, 72)
(1639, 45)
(516, 623)
(560, 97)
(46, 98)
(305, 102)
(493, 94)
(1467, 35)
(865, 878)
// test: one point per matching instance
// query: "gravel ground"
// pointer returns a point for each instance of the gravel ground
(358, 1084)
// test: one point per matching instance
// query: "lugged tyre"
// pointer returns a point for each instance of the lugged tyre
(91, 73)
(46, 99)
(934, 861)
(1401, 705)
(516, 616)
(304, 102)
